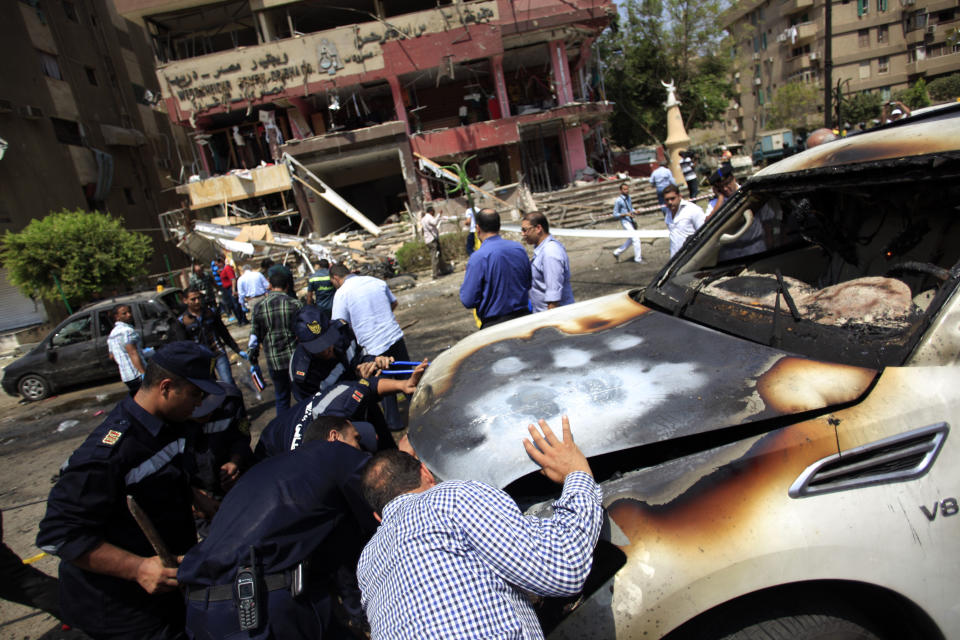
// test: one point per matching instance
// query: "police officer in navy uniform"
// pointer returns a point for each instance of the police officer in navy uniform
(277, 516)
(112, 583)
(327, 354)
(221, 446)
(320, 288)
(356, 400)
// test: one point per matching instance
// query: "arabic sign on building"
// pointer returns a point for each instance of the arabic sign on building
(248, 74)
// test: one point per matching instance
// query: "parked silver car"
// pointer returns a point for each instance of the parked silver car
(770, 419)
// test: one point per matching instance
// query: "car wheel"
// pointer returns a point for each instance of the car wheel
(775, 617)
(804, 627)
(33, 387)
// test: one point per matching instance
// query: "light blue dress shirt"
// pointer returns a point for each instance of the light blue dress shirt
(550, 271)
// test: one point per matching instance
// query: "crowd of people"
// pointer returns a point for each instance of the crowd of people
(326, 525)
(289, 544)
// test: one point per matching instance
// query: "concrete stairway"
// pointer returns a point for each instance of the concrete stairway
(585, 206)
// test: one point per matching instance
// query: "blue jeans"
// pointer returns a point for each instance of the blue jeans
(233, 306)
(391, 411)
(281, 388)
(223, 368)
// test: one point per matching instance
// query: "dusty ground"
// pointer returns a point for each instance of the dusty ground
(35, 439)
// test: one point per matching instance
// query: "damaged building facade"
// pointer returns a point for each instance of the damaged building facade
(363, 92)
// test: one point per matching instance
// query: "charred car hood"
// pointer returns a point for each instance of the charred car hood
(625, 375)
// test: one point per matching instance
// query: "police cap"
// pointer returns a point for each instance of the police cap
(720, 175)
(314, 330)
(192, 361)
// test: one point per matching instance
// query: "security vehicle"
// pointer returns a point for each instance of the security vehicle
(770, 419)
(75, 353)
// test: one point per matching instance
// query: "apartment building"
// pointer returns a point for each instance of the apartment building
(360, 90)
(79, 129)
(878, 46)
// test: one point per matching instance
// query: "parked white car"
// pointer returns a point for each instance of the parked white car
(770, 419)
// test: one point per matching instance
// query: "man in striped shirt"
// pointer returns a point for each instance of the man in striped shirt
(453, 560)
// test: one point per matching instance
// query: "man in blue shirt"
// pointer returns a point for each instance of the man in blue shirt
(470, 547)
(660, 178)
(550, 267)
(623, 212)
(497, 280)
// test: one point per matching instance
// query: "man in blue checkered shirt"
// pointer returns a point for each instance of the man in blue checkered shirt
(453, 560)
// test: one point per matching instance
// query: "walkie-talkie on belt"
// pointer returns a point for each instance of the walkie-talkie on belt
(247, 589)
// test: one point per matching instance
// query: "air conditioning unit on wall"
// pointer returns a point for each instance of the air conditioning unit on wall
(757, 81)
(931, 29)
(814, 56)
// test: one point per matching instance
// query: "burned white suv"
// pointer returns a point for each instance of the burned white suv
(770, 419)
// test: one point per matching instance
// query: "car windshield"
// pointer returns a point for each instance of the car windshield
(76, 330)
(844, 265)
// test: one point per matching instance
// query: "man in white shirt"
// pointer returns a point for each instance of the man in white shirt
(252, 286)
(367, 304)
(470, 223)
(683, 217)
(430, 225)
(126, 348)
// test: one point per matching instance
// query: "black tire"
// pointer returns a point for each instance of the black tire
(803, 627)
(33, 387)
(790, 615)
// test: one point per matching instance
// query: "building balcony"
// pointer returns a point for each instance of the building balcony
(807, 31)
(918, 35)
(793, 6)
(934, 66)
(798, 63)
(494, 133)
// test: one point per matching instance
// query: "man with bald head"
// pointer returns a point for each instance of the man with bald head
(820, 136)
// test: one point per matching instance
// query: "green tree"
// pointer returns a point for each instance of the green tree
(914, 97)
(861, 107)
(945, 88)
(86, 251)
(791, 105)
(661, 40)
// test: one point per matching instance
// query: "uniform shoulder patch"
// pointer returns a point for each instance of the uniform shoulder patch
(111, 437)
(364, 382)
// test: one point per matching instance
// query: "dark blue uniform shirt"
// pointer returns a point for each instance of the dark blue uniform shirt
(131, 452)
(312, 374)
(284, 507)
(497, 280)
(224, 436)
(322, 287)
(347, 399)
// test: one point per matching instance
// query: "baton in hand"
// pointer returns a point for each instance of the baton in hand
(146, 525)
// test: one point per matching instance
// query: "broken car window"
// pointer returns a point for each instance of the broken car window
(844, 271)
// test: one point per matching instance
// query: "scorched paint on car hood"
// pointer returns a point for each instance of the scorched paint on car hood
(625, 375)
